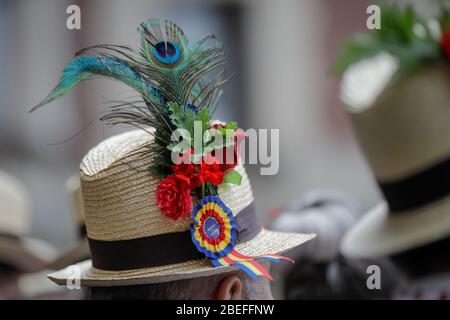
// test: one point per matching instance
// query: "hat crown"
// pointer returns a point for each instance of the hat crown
(406, 129)
(119, 191)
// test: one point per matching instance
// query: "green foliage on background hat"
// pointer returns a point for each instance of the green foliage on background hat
(444, 15)
(403, 33)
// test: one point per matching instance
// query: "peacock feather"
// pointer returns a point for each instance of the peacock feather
(85, 67)
(178, 68)
(166, 69)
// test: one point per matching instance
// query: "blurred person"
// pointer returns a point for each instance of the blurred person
(339, 279)
(323, 273)
(427, 271)
(235, 285)
(399, 106)
(326, 212)
(80, 251)
(37, 283)
(19, 254)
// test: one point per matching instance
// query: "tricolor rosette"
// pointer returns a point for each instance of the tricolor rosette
(213, 230)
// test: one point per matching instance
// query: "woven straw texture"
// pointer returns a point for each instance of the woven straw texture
(406, 129)
(119, 191)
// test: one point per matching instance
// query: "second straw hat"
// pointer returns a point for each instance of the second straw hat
(396, 87)
(405, 136)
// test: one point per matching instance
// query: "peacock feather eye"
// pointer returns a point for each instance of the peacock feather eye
(167, 52)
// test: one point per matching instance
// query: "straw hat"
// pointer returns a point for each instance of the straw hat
(403, 128)
(121, 215)
(80, 251)
(23, 253)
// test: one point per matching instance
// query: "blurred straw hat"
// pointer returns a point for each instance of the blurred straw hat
(80, 251)
(73, 188)
(16, 250)
(403, 128)
(119, 201)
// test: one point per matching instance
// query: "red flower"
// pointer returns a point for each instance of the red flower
(211, 171)
(196, 174)
(173, 197)
(217, 124)
(445, 43)
(213, 166)
(190, 172)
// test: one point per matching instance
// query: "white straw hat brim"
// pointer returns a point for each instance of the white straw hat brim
(380, 234)
(265, 242)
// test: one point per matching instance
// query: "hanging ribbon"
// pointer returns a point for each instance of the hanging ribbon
(214, 234)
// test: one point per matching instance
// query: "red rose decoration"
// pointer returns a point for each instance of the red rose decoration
(445, 43)
(173, 197)
(196, 174)
(217, 124)
(213, 167)
(189, 171)
(211, 171)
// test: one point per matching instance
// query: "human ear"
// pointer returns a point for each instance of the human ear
(230, 288)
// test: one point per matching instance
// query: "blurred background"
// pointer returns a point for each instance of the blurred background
(280, 53)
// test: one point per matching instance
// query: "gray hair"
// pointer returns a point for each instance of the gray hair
(197, 288)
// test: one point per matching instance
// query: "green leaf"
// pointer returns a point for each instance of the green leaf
(210, 142)
(163, 158)
(444, 17)
(398, 36)
(203, 116)
(188, 121)
(232, 177)
(211, 146)
(158, 171)
(178, 147)
(181, 118)
(211, 190)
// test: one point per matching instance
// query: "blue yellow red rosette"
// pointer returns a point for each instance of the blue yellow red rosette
(213, 233)
(213, 230)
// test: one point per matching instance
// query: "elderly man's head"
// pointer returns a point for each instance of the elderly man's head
(235, 285)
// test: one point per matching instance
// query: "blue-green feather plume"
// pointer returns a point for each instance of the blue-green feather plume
(166, 69)
(84, 67)
(182, 71)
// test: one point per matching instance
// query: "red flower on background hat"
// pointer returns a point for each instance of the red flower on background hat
(173, 197)
(445, 43)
